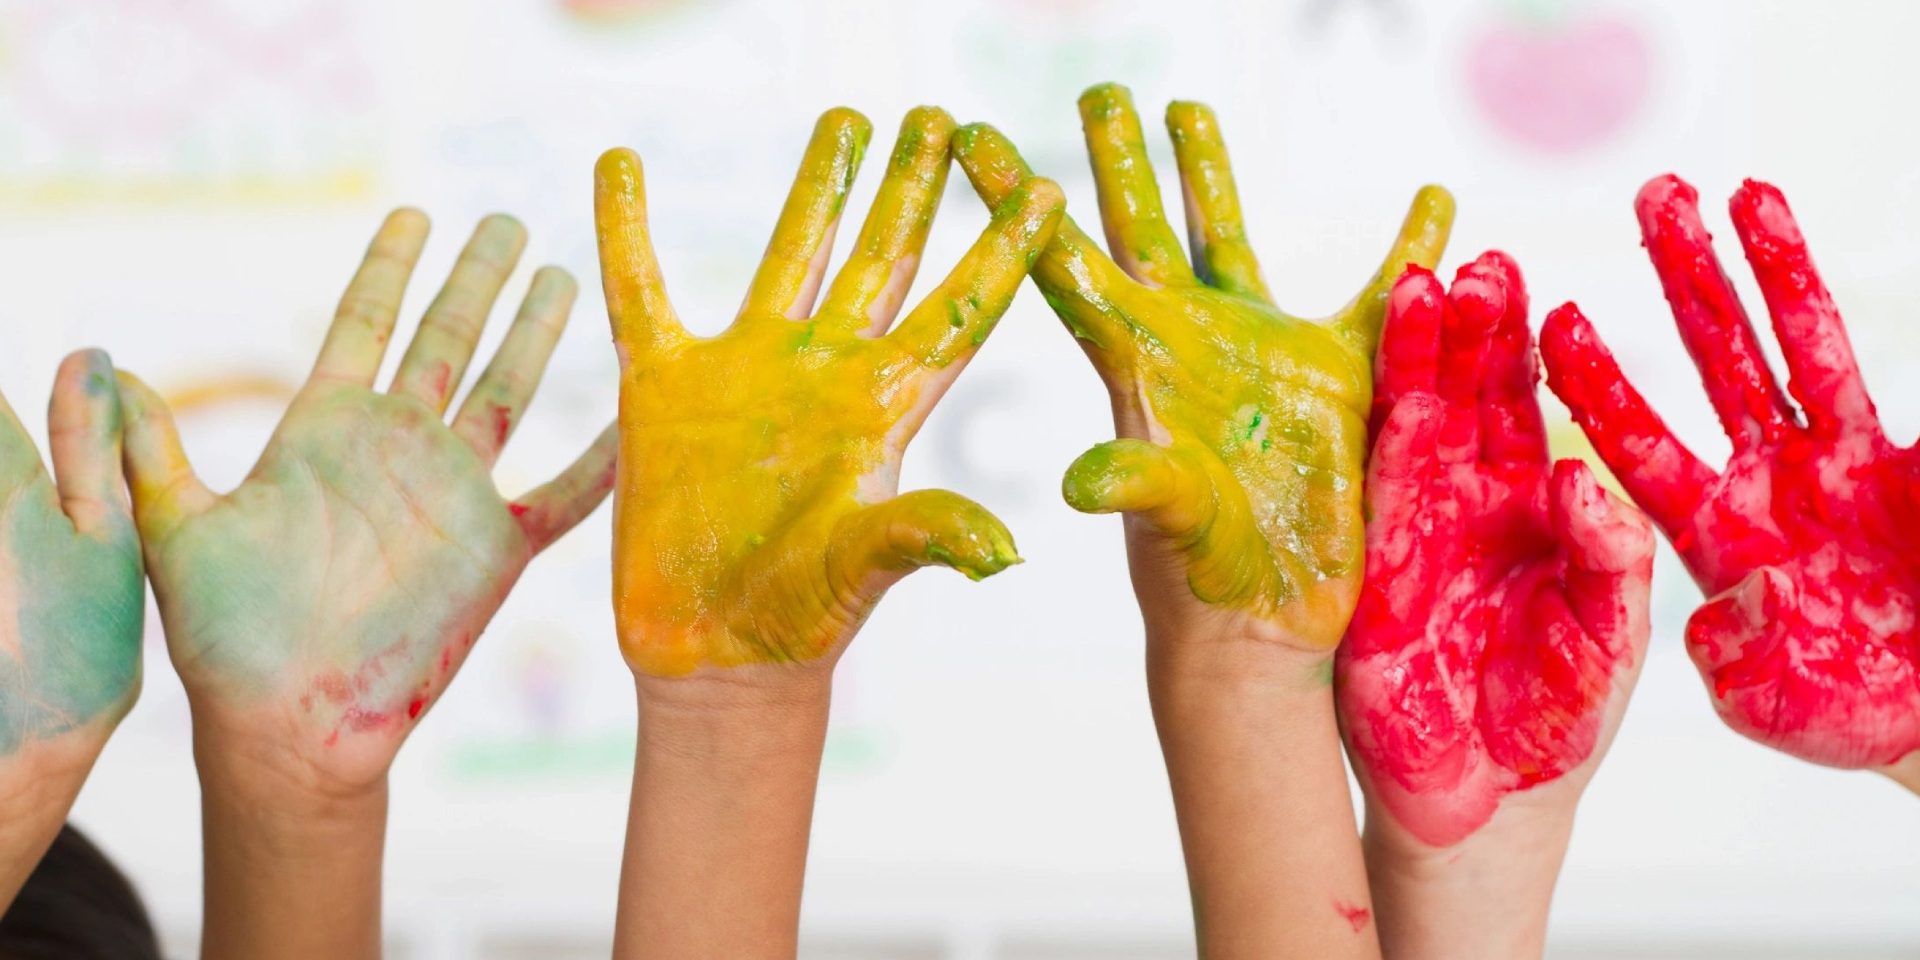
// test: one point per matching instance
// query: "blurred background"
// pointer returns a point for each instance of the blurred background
(190, 183)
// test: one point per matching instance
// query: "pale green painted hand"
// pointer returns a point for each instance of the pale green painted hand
(326, 602)
(1242, 428)
(71, 594)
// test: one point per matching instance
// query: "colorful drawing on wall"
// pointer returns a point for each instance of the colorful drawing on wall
(188, 100)
(1559, 81)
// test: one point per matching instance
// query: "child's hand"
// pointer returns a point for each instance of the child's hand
(316, 611)
(1242, 429)
(1805, 542)
(756, 521)
(1504, 618)
(72, 602)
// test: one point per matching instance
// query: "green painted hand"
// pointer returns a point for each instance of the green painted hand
(1243, 430)
(71, 594)
(322, 605)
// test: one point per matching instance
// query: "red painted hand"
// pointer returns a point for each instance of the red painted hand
(1805, 542)
(1504, 615)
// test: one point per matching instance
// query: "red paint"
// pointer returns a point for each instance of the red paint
(440, 379)
(1356, 917)
(502, 424)
(1505, 597)
(414, 706)
(1806, 541)
(518, 509)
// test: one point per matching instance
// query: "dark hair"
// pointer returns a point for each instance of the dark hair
(77, 906)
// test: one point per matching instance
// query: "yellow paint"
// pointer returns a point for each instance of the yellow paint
(755, 520)
(1244, 430)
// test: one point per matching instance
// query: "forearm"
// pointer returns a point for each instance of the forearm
(1266, 820)
(723, 788)
(1486, 898)
(292, 867)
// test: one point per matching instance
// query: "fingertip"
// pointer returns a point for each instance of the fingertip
(1104, 100)
(846, 126)
(1433, 204)
(1668, 201)
(932, 124)
(1192, 118)
(1478, 303)
(555, 281)
(1417, 290)
(408, 220)
(619, 170)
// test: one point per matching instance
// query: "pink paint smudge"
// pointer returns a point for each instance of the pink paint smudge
(1356, 917)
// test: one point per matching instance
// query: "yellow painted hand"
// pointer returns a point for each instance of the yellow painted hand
(1243, 430)
(755, 515)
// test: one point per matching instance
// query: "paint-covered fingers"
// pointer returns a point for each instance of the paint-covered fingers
(1409, 357)
(873, 547)
(1084, 286)
(363, 322)
(1474, 308)
(955, 319)
(789, 276)
(629, 272)
(1216, 229)
(868, 292)
(436, 361)
(1609, 550)
(494, 406)
(1511, 430)
(1409, 532)
(84, 436)
(549, 511)
(1712, 323)
(1138, 235)
(165, 490)
(1825, 377)
(1422, 239)
(1660, 473)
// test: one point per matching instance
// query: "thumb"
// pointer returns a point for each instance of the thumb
(874, 547)
(1609, 551)
(165, 490)
(1164, 486)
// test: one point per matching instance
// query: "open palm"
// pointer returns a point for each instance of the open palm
(756, 520)
(1504, 618)
(1242, 428)
(1804, 542)
(330, 597)
(71, 594)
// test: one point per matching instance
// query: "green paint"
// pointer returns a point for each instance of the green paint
(80, 607)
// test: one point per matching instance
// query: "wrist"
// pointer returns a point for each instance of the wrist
(1502, 877)
(713, 717)
(1905, 772)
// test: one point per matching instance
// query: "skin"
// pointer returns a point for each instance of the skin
(1238, 464)
(756, 514)
(72, 604)
(1500, 631)
(316, 612)
(1807, 641)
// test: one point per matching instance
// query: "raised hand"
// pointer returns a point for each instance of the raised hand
(1242, 429)
(1504, 617)
(756, 520)
(72, 602)
(1804, 543)
(318, 609)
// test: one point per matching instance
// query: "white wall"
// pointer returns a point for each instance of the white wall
(190, 183)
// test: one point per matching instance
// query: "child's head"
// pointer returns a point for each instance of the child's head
(77, 906)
